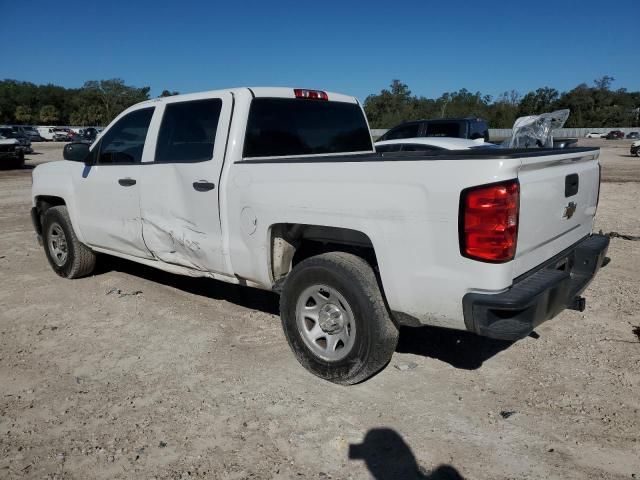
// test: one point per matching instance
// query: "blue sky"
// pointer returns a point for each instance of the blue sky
(351, 47)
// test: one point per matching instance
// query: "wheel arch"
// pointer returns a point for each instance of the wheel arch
(43, 202)
(290, 243)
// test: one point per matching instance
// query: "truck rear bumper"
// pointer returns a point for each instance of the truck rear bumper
(536, 296)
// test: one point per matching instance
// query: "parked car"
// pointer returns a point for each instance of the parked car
(635, 148)
(281, 189)
(614, 135)
(633, 135)
(11, 156)
(85, 135)
(30, 132)
(595, 135)
(24, 144)
(430, 144)
(470, 128)
(62, 134)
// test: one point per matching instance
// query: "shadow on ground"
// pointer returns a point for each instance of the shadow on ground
(16, 169)
(387, 456)
(252, 298)
(460, 349)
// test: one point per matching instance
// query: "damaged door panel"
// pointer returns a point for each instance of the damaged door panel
(179, 201)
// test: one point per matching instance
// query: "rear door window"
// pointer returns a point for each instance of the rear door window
(188, 131)
(289, 127)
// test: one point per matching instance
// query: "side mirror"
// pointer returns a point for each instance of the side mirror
(76, 152)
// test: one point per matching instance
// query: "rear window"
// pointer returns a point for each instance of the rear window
(444, 129)
(284, 127)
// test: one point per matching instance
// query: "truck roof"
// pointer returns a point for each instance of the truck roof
(270, 92)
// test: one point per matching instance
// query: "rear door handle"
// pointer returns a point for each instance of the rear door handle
(203, 186)
(127, 182)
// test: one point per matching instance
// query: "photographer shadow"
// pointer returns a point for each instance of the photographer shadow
(387, 456)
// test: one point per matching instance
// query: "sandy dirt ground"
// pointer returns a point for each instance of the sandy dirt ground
(134, 373)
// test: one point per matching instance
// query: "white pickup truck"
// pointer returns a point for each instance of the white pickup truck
(281, 189)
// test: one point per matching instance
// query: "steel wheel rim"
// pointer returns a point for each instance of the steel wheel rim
(326, 322)
(58, 247)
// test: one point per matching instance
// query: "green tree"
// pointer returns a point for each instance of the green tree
(537, 102)
(603, 83)
(167, 93)
(113, 96)
(22, 114)
(49, 114)
(390, 107)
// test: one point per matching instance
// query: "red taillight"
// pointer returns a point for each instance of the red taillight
(489, 221)
(310, 94)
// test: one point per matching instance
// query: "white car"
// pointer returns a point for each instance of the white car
(595, 135)
(425, 144)
(281, 189)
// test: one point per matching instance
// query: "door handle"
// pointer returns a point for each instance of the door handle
(203, 186)
(127, 182)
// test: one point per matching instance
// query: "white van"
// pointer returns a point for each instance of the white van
(46, 132)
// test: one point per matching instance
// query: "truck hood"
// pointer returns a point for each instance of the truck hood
(9, 141)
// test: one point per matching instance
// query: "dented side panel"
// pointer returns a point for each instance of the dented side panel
(181, 223)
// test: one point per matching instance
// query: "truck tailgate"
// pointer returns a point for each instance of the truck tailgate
(558, 198)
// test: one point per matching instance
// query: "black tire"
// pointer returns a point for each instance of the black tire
(18, 163)
(79, 260)
(376, 336)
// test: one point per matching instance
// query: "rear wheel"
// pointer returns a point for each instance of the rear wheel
(335, 319)
(67, 256)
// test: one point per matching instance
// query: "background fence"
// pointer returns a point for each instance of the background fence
(560, 133)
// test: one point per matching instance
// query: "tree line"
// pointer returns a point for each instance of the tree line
(97, 102)
(591, 106)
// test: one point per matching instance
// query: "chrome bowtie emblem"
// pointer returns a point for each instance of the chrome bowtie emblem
(569, 210)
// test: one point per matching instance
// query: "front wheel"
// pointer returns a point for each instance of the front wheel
(67, 256)
(335, 318)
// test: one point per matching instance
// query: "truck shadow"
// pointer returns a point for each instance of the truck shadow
(387, 456)
(252, 298)
(460, 349)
